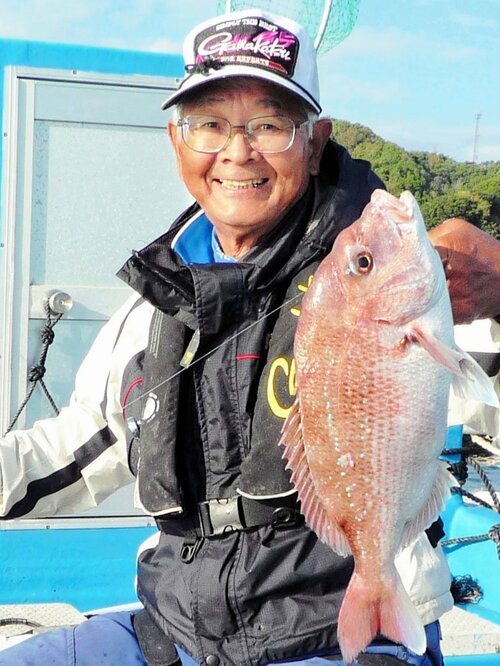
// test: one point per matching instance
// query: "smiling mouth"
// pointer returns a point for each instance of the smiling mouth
(242, 184)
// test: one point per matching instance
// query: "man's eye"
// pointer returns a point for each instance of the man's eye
(210, 125)
(267, 127)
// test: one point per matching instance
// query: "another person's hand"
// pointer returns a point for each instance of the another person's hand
(471, 260)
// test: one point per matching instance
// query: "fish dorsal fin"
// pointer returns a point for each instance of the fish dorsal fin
(432, 508)
(312, 507)
(469, 379)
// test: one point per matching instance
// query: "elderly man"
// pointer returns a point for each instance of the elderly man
(187, 386)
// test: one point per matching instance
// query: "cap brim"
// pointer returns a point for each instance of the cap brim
(195, 81)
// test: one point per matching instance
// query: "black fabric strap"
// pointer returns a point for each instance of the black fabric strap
(156, 647)
(221, 516)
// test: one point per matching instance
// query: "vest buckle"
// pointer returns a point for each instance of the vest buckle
(220, 516)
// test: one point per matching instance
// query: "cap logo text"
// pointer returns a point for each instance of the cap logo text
(251, 42)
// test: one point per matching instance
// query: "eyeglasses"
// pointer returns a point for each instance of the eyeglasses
(266, 134)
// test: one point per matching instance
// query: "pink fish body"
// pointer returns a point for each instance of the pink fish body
(375, 357)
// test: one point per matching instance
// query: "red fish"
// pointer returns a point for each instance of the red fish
(375, 358)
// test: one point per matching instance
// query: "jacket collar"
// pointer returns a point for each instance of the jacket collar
(334, 199)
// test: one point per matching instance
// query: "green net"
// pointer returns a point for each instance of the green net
(327, 21)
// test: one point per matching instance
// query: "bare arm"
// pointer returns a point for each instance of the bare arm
(471, 260)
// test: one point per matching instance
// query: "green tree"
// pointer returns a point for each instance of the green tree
(443, 187)
(469, 205)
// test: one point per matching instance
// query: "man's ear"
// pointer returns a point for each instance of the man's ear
(173, 134)
(321, 133)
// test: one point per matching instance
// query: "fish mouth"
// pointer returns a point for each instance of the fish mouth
(251, 183)
(401, 210)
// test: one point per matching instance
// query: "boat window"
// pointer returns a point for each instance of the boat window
(87, 175)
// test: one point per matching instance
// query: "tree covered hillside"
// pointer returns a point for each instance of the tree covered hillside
(444, 188)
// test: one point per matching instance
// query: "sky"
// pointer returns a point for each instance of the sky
(424, 74)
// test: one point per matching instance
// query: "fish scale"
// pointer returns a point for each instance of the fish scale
(375, 358)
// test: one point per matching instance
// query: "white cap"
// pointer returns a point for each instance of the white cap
(250, 43)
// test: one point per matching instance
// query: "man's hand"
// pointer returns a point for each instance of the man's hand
(471, 260)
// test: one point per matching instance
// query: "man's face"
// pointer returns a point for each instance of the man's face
(243, 192)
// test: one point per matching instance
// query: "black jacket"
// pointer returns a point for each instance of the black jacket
(249, 596)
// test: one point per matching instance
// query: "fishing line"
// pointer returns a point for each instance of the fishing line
(214, 349)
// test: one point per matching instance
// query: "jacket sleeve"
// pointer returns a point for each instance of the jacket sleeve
(481, 339)
(72, 462)
(427, 579)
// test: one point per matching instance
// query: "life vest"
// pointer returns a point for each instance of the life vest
(223, 336)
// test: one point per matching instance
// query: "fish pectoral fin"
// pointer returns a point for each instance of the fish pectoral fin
(470, 382)
(447, 356)
(432, 508)
(311, 505)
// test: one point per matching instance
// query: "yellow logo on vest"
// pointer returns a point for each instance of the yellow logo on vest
(281, 387)
(303, 288)
(280, 393)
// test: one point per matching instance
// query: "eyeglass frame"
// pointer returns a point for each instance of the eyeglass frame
(181, 123)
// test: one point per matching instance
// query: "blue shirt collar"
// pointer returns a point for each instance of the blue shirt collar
(218, 252)
(196, 242)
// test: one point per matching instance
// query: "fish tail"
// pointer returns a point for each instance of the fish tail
(370, 608)
(358, 619)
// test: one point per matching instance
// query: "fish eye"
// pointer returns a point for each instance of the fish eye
(363, 262)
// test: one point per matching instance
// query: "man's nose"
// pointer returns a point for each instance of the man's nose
(238, 145)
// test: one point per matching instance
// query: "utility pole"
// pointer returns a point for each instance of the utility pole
(476, 138)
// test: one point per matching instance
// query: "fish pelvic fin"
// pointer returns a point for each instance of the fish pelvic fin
(432, 507)
(469, 380)
(311, 505)
(383, 608)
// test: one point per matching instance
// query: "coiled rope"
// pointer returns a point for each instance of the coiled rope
(469, 450)
(37, 372)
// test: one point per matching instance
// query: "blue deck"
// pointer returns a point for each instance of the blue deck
(473, 660)
(478, 560)
(88, 568)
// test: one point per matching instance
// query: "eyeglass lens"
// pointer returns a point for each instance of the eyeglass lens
(266, 134)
